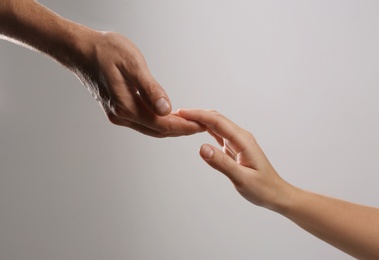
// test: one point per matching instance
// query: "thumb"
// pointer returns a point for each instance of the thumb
(221, 162)
(153, 95)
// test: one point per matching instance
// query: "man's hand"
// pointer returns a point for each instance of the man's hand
(118, 77)
(108, 64)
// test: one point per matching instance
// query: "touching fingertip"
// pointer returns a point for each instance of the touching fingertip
(206, 152)
(180, 111)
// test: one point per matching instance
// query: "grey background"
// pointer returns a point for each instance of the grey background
(301, 75)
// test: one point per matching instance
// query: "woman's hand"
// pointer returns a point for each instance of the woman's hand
(241, 160)
(352, 228)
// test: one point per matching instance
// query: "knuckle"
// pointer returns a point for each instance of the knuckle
(217, 117)
(149, 88)
(162, 135)
(165, 131)
(150, 91)
(215, 112)
(233, 172)
(113, 118)
(224, 161)
(250, 137)
(120, 110)
(167, 128)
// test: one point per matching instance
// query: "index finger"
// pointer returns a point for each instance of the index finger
(220, 125)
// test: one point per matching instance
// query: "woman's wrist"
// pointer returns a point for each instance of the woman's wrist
(286, 197)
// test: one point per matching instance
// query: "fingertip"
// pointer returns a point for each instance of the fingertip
(181, 111)
(162, 106)
(174, 113)
(206, 152)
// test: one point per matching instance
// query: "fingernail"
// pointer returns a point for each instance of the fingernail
(207, 152)
(161, 106)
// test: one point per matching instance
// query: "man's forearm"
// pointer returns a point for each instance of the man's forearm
(32, 24)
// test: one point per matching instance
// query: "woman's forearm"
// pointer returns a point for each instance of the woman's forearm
(350, 227)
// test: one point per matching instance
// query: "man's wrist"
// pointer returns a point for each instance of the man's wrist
(85, 43)
(6, 10)
(77, 44)
(3, 6)
(40, 28)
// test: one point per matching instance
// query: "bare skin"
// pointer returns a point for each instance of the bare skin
(108, 64)
(349, 227)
